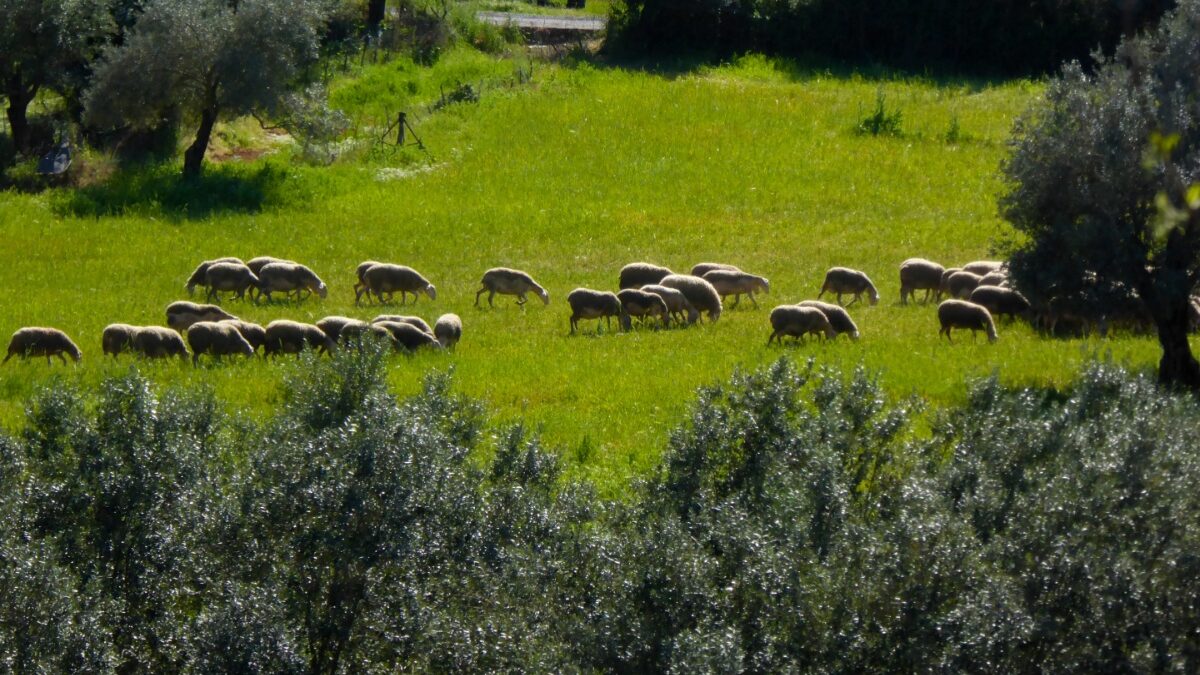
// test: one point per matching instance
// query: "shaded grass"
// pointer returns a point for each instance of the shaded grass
(570, 178)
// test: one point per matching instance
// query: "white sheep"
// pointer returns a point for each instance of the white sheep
(963, 314)
(841, 280)
(507, 281)
(641, 304)
(289, 277)
(839, 318)
(228, 276)
(216, 339)
(636, 275)
(797, 322)
(591, 304)
(197, 277)
(917, 274)
(699, 292)
(291, 337)
(116, 338)
(448, 330)
(182, 314)
(41, 341)
(737, 283)
(677, 303)
(385, 278)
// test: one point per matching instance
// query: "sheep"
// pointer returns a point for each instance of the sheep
(677, 302)
(918, 274)
(39, 341)
(798, 321)
(217, 339)
(182, 314)
(407, 337)
(641, 304)
(256, 264)
(589, 304)
(253, 333)
(227, 276)
(359, 272)
(737, 283)
(698, 291)
(944, 287)
(963, 314)
(841, 280)
(838, 317)
(994, 279)
(289, 277)
(159, 342)
(962, 283)
(635, 275)
(509, 282)
(448, 330)
(1000, 301)
(982, 267)
(117, 337)
(388, 278)
(291, 337)
(401, 318)
(198, 275)
(334, 325)
(700, 269)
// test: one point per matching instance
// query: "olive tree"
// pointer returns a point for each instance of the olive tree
(206, 58)
(1101, 180)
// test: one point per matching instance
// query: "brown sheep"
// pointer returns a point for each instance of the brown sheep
(289, 277)
(408, 337)
(797, 322)
(448, 330)
(1000, 301)
(919, 274)
(182, 314)
(227, 276)
(963, 314)
(116, 338)
(841, 280)
(677, 303)
(387, 278)
(40, 341)
(198, 275)
(636, 275)
(737, 283)
(253, 333)
(216, 339)
(507, 281)
(590, 304)
(291, 337)
(700, 269)
(642, 304)
(698, 291)
(158, 342)
(838, 317)
(962, 283)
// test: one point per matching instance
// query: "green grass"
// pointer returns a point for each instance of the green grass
(570, 177)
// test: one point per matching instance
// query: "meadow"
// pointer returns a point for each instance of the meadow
(571, 173)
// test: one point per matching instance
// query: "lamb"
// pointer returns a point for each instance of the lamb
(228, 276)
(677, 302)
(289, 277)
(507, 281)
(698, 291)
(198, 275)
(1001, 301)
(182, 314)
(737, 283)
(408, 337)
(158, 342)
(841, 280)
(944, 288)
(635, 275)
(217, 339)
(700, 269)
(401, 318)
(918, 274)
(39, 341)
(589, 304)
(797, 322)
(291, 337)
(838, 317)
(388, 278)
(962, 283)
(642, 304)
(359, 272)
(256, 264)
(994, 279)
(963, 314)
(982, 267)
(117, 337)
(448, 330)
(253, 333)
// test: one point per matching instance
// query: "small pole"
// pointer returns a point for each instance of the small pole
(401, 122)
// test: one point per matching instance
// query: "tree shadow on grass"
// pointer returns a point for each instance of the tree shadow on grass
(160, 191)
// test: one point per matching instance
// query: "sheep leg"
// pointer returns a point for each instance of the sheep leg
(752, 300)
(478, 293)
(771, 337)
(856, 298)
(574, 321)
(6, 358)
(491, 294)
(737, 297)
(521, 299)
(403, 296)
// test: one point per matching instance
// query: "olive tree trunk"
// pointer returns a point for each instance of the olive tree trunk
(193, 157)
(375, 13)
(19, 96)
(1178, 366)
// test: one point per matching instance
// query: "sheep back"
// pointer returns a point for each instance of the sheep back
(638, 274)
(699, 292)
(839, 318)
(700, 269)
(216, 338)
(116, 337)
(448, 329)
(159, 342)
(42, 341)
(797, 322)
(964, 314)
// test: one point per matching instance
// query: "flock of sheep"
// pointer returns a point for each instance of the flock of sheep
(979, 290)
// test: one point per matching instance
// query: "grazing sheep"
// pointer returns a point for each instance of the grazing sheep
(677, 303)
(334, 325)
(962, 283)
(157, 342)
(838, 317)
(700, 269)
(217, 339)
(38, 341)
(117, 337)
(698, 291)
(841, 280)
(589, 304)
(982, 267)
(407, 337)
(255, 334)
(635, 275)
(289, 277)
(642, 304)
(198, 275)
(963, 314)
(256, 264)
(919, 274)
(401, 318)
(944, 288)
(448, 330)
(182, 314)
(797, 322)
(994, 279)
(737, 283)
(1000, 301)
(388, 278)
(359, 272)
(227, 276)
(509, 282)
(291, 337)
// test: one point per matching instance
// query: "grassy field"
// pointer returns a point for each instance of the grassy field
(569, 177)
